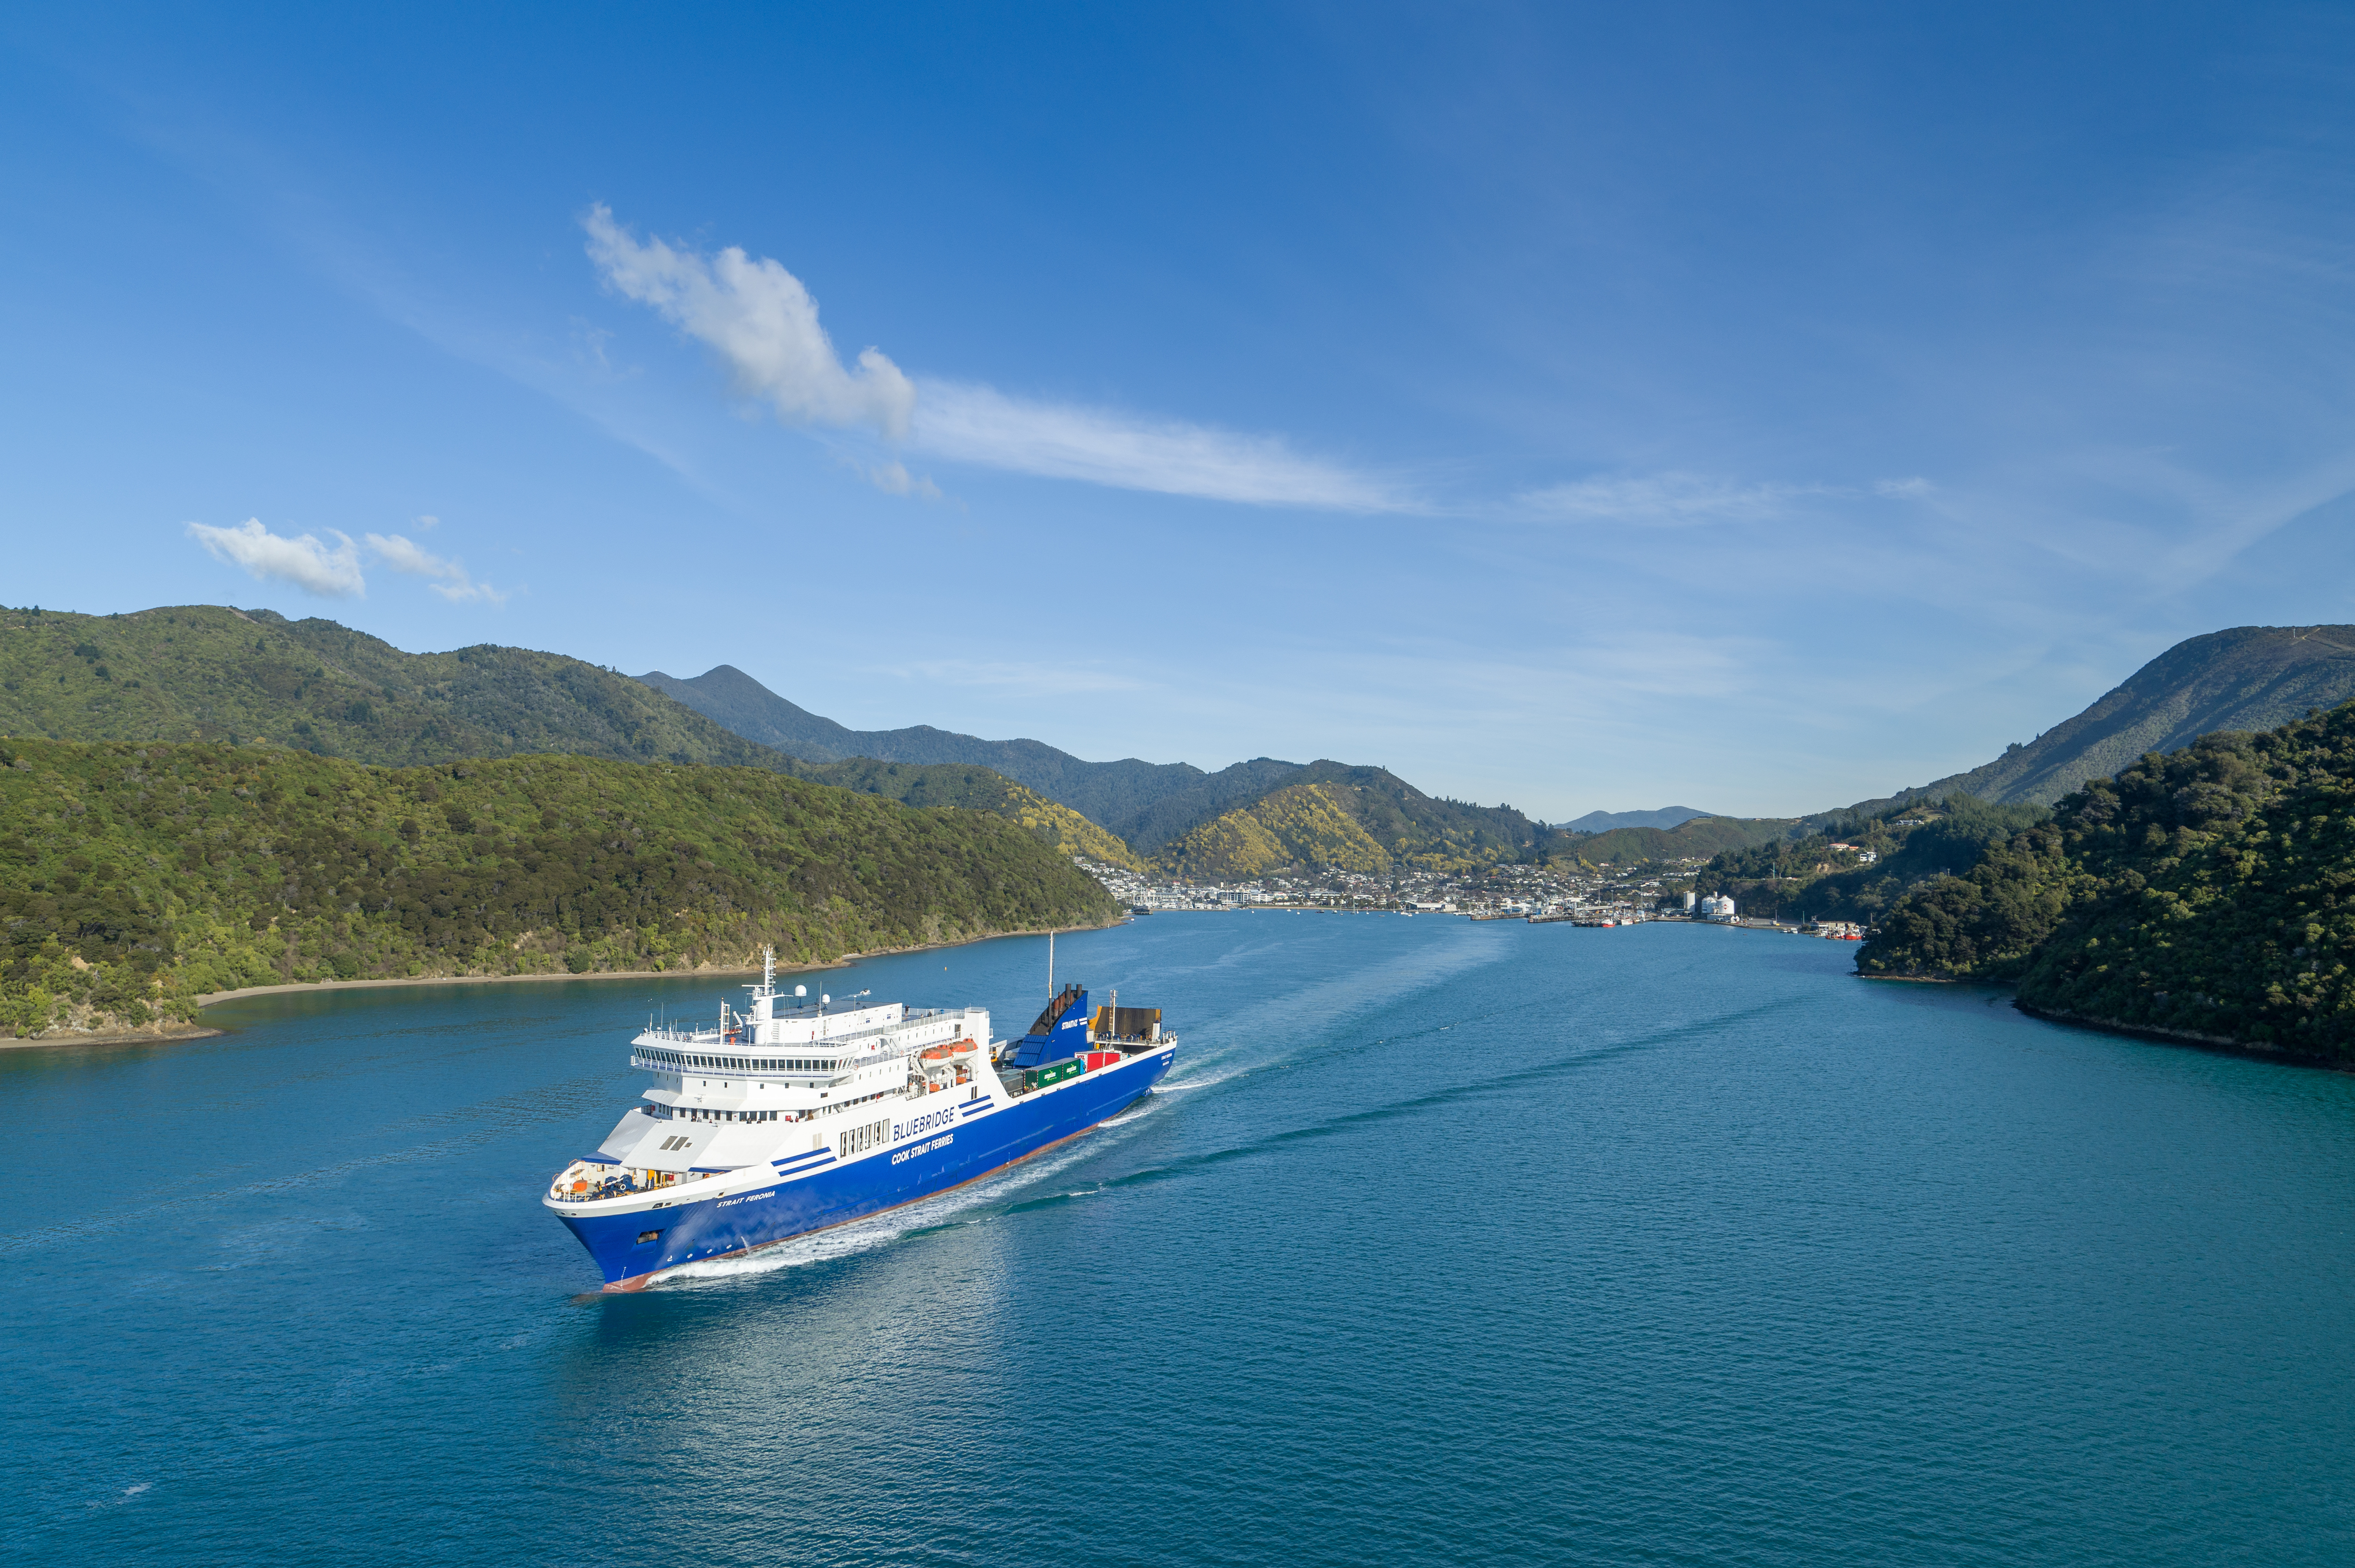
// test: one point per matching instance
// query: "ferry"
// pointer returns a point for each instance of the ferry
(797, 1116)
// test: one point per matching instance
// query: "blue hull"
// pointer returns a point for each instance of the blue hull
(814, 1190)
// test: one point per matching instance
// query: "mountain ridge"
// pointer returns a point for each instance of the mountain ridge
(1108, 794)
(212, 673)
(1665, 818)
(2242, 678)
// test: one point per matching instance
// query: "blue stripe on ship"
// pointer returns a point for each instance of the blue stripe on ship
(815, 1197)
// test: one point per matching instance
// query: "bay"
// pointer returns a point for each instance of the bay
(1444, 1243)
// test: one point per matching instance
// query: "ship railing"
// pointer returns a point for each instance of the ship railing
(759, 1068)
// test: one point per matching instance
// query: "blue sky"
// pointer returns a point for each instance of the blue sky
(1750, 408)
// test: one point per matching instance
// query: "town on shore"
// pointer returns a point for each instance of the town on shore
(1588, 896)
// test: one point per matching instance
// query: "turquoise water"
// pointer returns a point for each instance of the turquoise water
(1445, 1243)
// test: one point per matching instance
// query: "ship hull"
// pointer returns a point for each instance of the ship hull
(814, 1191)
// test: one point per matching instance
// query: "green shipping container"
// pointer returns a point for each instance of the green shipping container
(1054, 1072)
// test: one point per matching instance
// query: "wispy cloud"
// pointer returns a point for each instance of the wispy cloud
(893, 479)
(1675, 497)
(446, 575)
(1667, 498)
(763, 324)
(333, 570)
(1099, 446)
(306, 560)
(760, 319)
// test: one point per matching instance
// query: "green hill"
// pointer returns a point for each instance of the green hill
(1693, 838)
(202, 672)
(1171, 818)
(2250, 677)
(973, 788)
(134, 878)
(1302, 825)
(2208, 893)
(1355, 819)
(1856, 868)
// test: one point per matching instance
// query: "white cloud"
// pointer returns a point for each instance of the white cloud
(1912, 489)
(447, 576)
(1668, 498)
(428, 524)
(763, 324)
(981, 425)
(893, 479)
(303, 560)
(761, 321)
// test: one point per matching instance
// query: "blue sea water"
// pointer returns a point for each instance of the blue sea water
(1443, 1243)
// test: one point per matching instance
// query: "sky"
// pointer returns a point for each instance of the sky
(1757, 409)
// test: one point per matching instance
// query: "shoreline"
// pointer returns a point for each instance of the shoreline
(2221, 1045)
(172, 1034)
(211, 998)
(165, 1034)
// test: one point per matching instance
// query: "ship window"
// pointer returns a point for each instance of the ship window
(646, 1236)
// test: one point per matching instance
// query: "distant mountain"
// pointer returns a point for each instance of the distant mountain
(1696, 836)
(1172, 813)
(1605, 821)
(2248, 678)
(1112, 795)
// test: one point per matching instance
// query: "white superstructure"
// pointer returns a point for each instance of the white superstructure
(792, 1075)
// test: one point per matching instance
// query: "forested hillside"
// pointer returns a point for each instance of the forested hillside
(134, 878)
(1854, 867)
(975, 789)
(1694, 836)
(201, 672)
(2209, 893)
(1356, 818)
(1299, 825)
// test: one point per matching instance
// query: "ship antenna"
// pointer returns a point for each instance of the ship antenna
(1051, 966)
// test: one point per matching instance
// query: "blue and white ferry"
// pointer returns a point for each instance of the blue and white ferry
(798, 1115)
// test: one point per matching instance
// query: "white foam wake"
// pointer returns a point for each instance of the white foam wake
(865, 1235)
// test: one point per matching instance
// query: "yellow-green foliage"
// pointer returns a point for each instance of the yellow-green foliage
(1302, 825)
(1312, 824)
(974, 788)
(1066, 828)
(133, 879)
(1234, 845)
